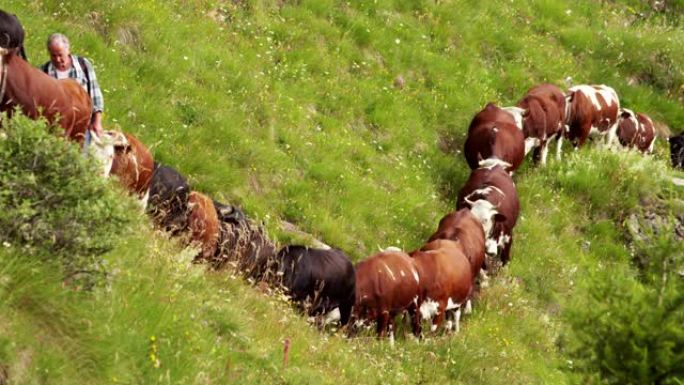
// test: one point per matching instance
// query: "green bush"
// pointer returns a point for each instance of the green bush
(53, 204)
(626, 325)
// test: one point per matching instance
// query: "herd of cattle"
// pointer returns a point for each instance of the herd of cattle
(433, 283)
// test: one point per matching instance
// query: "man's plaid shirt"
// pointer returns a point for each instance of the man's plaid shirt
(76, 73)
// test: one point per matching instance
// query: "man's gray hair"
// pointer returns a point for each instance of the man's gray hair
(58, 38)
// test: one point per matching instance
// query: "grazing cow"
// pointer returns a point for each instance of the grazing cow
(677, 150)
(541, 117)
(493, 134)
(203, 225)
(463, 226)
(244, 244)
(591, 110)
(492, 197)
(62, 102)
(636, 131)
(321, 278)
(446, 280)
(387, 284)
(132, 164)
(167, 201)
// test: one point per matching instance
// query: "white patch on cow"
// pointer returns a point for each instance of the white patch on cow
(491, 247)
(517, 114)
(468, 307)
(433, 327)
(102, 150)
(503, 240)
(451, 305)
(401, 272)
(492, 162)
(484, 211)
(391, 249)
(389, 271)
(332, 316)
(495, 129)
(144, 199)
(415, 276)
(559, 146)
(449, 325)
(531, 143)
(429, 309)
(457, 318)
(544, 153)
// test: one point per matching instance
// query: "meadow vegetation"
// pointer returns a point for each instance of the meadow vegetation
(345, 119)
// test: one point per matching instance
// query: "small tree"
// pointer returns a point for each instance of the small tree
(53, 204)
(628, 326)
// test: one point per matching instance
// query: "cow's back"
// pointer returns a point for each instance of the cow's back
(387, 281)
(464, 227)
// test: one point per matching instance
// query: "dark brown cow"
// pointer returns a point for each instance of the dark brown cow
(492, 197)
(62, 102)
(464, 227)
(387, 284)
(636, 131)
(493, 134)
(542, 113)
(591, 110)
(446, 280)
(132, 164)
(203, 225)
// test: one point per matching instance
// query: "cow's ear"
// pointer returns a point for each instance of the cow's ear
(625, 115)
(498, 217)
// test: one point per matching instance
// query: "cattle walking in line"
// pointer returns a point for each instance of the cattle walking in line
(203, 225)
(463, 226)
(321, 279)
(493, 134)
(540, 114)
(677, 150)
(387, 284)
(592, 110)
(61, 102)
(167, 201)
(636, 131)
(492, 197)
(243, 244)
(446, 281)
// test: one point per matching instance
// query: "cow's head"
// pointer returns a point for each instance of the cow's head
(102, 149)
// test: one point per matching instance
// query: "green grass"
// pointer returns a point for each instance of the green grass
(290, 110)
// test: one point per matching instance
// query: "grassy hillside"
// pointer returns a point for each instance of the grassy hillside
(347, 120)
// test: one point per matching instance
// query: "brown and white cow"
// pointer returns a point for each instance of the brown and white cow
(493, 134)
(124, 156)
(591, 110)
(492, 197)
(387, 284)
(203, 225)
(636, 131)
(446, 280)
(540, 114)
(463, 226)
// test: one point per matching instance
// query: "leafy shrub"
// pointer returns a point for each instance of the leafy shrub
(52, 202)
(626, 326)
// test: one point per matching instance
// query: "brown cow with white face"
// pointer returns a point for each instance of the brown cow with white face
(203, 224)
(591, 110)
(636, 131)
(540, 114)
(446, 280)
(463, 226)
(492, 197)
(493, 134)
(387, 284)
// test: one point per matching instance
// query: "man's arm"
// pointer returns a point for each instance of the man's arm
(96, 96)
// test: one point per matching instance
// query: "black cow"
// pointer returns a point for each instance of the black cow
(677, 150)
(167, 201)
(323, 278)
